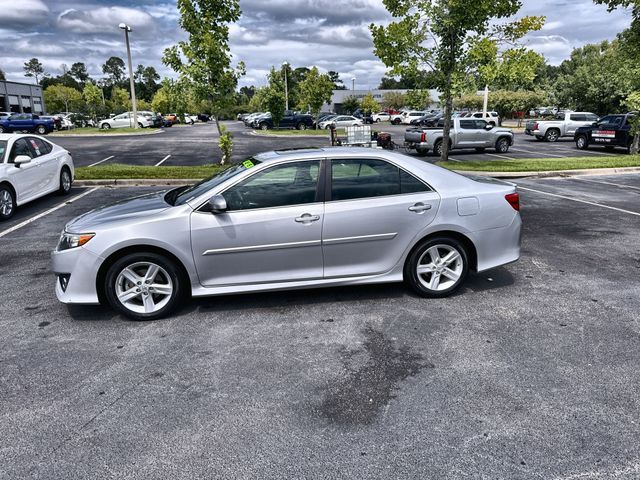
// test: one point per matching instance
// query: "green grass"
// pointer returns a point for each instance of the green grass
(544, 164)
(124, 172)
(98, 131)
(295, 133)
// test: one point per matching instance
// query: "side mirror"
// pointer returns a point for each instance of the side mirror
(594, 124)
(218, 204)
(20, 159)
(488, 127)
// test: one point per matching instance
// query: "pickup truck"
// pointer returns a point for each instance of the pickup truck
(19, 122)
(609, 132)
(565, 124)
(465, 133)
(300, 121)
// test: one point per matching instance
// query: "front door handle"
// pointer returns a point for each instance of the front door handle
(420, 207)
(307, 218)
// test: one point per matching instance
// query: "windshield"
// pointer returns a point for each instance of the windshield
(3, 148)
(182, 195)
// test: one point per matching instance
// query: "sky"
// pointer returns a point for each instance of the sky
(330, 34)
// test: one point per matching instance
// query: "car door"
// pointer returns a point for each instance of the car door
(47, 162)
(271, 231)
(575, 120)
(121, 121)
(467, 134)
(374, 211)
(24, 178)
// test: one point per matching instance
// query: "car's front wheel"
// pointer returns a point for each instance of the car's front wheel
(105, 126)
(41, 130)
(7, 203)
(582, 143)
(502, 145)
(144, 286)
(437, 267)
(302, 126)
(2, 129)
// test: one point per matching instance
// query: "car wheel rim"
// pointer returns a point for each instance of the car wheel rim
(440, 267)
(553, 136)
(581, 143)
(144, 287)
(66, 181)
(6, 203)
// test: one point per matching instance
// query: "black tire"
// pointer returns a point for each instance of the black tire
(7, 202)
(552, 135)
(480, 149)
(422, 151)
(502, 145)
(41, 130)
(264, 126)
(412, 278)
(582, 142)
(397, 121)
(437, 148)
(65, 181)
(172, 270)
(302, 126)
(105, 126)
(377, 120)
(140, 125)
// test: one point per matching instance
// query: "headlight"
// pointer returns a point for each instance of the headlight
(73, 240)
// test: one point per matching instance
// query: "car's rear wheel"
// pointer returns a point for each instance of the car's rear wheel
(437, 267)
(140, 125)
(377, 120)
(105, 126)
(264, 126)
(302, 126)
(7, 202)
(422, 151)
(502, 145)
(2, 129)
(65, 181)
(144, 286)
(552, 135)
(582, 143)
(41, 130)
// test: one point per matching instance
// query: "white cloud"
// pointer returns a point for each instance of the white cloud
(22, 13)
(105, 19)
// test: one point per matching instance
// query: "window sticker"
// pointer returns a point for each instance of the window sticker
(247, 164)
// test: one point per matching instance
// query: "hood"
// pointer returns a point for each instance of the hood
(133, 208)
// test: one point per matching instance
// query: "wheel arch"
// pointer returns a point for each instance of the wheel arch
(111, 259)
(461, 237)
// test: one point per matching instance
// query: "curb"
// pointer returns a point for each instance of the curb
(107, 135)
(553, 173)
(143, 182)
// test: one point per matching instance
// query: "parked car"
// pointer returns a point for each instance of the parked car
(491, 117)
(155, 119)
(125, 120)
(190, 119)
(31, 167)
(341, 121)
(172, 117)
(396, 118)
(609, 132)
(381, 117)
(269, 223)
(291, 119)
(465, 133)
(248, 121)
(26, 122)
(203, 117)
(413, 115)
(565, 124)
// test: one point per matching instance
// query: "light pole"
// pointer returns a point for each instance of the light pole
(285, 65)
(132, 83)
(353, 83)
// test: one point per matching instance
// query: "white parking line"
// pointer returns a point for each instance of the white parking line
(455, 160)
(499, 156)
(539, 153)
(580, 201)
(46, 212)
(602, 182)
(162, 161)
(103, 160)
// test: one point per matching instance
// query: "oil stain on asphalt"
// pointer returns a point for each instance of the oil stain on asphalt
(373, 373)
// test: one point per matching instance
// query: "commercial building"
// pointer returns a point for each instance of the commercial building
(340, 95)
(21, 98)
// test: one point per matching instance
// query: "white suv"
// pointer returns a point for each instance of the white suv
(492, 118)
(406, 119)
(124, 120)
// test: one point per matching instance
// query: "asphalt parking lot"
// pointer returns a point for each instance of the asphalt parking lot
(531, 371)
(197, 145)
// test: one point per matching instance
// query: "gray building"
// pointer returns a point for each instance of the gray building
(21, 98)
(340, 95)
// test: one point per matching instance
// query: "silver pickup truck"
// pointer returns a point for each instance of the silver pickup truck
(465, 133)
(564, 124)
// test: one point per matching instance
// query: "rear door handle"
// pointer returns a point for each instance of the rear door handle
(307, 218)
(420, 207)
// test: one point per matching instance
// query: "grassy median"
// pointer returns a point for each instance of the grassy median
(544, 164)
(99, 131)
(123, 172)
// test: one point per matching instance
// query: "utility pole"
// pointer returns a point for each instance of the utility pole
(132, 83)
(286, 87)
(353, 83)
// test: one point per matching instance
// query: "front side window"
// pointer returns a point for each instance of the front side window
(279, 186)
(20, 147)
(481, 124)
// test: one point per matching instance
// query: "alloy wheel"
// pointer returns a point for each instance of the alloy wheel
(440, 267)
(6, 203)
(65, 180)
(144, 287)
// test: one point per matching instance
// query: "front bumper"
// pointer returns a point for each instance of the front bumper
(81, 266)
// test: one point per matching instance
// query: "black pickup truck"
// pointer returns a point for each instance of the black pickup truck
(609, 131)
(300, 121)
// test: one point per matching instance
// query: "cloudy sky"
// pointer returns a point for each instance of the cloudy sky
(330, 34)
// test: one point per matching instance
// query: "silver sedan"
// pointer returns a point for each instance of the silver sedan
(290, 219)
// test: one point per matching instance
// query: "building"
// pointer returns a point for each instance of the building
(21, 98)
(340, 95)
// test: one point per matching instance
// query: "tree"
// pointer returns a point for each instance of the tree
(314, 91)
(249, 92)
(33, 68)
(350, 104)
(161, 101)
(114, 68)
(62, 99)
(204, 59)
(335, 79)
(79, 71)
(633, 103)
(93, 98)
(2, 75)
(369, 104)
(394, 100)
(418, 99)
(437, 35)
(120, 100)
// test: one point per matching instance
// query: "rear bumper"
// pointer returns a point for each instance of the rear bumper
(499, 246)
(80, 266)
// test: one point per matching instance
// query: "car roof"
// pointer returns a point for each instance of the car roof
(15, 136)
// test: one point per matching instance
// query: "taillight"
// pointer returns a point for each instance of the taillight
(423, 137)
(536, 126)
(514, 200)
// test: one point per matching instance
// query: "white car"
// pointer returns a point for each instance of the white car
(124, 120)
(31, 167)
(341, 121)
(412, 115)
(381, 117)
(492, 118)
(190, 119)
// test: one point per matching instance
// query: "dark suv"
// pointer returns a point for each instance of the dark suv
(610, 131)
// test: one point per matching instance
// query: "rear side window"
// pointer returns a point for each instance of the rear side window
(468, 124)
(410, 184)
(578, 118)
(40, 147)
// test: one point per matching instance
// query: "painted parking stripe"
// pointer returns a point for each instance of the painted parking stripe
(499, 156)
(455, 160)
(539, 153)
(162, 161)
(103, 160)
(46, 212)
(603, 182)
(637, 214)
